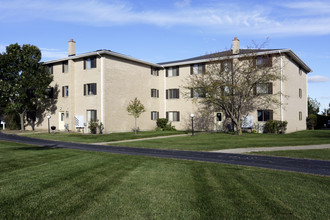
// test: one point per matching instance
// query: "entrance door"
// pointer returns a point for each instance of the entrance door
(61, 121)
(91, 116)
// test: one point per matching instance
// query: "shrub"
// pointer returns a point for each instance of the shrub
(93, 126)
(275, 127)
(161, 123)
(169, 127)
(12, 121)
(101, 128)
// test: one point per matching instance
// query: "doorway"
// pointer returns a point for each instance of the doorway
(61, 121)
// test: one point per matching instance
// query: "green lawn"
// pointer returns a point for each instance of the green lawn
(318, 154)
(218, 141)
(43, 183)
(94, 138)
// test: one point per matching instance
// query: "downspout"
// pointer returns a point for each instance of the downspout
(164, 70)
(281, 95)
(306, 97)
(101, 88)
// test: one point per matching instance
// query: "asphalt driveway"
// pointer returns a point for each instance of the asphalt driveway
(318, 167)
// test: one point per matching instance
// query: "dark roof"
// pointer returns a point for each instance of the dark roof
(219, 54)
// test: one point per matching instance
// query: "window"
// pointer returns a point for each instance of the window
(197, 68)
(155, 93)
(300, 71)
(172, 94)
(265, 115)
(90, 89)
(154, 115)
(67, 114)
(172, 71)
(300, 93)
(264, 88)
(197, 93)
(263, 61)
(65, 91)
(154, 71)
(91, 115)
(62, 116)
(49, 69)
(65, 66)
(300, 116)
(173, 116)
(226, 91)
(226, 66)
(49, 93)
(90, 63)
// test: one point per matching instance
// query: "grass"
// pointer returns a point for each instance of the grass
(43, 183)
(218, 141)
(318, 154)
(94, 138)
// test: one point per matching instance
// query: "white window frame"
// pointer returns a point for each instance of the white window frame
(173, 116)
(90, 89)
(65, 92)
(173, 71)
(172, 93)
(154, 115)
(65, 66)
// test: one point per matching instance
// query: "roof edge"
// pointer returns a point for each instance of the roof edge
(99, 53)
(288, 51)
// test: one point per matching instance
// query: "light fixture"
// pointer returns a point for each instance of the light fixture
(192, 124)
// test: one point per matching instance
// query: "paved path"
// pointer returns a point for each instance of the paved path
(279, 163)
(256, 149)
(140, 139)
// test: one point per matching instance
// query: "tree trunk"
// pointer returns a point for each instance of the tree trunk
(135, 125)
(239, 127)
(21, 115)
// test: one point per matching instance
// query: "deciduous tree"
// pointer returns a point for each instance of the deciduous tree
(313, 106)
(238, 84)
(23, 81)
(135, 108)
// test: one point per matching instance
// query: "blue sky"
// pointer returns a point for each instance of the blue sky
(158, 31)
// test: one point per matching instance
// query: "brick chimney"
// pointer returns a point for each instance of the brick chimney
(72, 48)
(235, 46)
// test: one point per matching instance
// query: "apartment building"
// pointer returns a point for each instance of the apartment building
(100, 84)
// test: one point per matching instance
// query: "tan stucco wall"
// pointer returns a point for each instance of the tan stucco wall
(293, 104)
(123, 80)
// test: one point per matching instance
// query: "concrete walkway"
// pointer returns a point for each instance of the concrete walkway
(141, 139)
(256, 149)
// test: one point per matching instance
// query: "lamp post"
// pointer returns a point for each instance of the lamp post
(192, 124)
(48, 117)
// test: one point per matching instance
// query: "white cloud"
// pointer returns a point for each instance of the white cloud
(52, 53)
(215, 17)
(317, 79)
(182, 3)
(46, 52)
(325, 97)
(2, 48)
(309, 7)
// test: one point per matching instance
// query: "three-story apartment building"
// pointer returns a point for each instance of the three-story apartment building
(100, 84)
